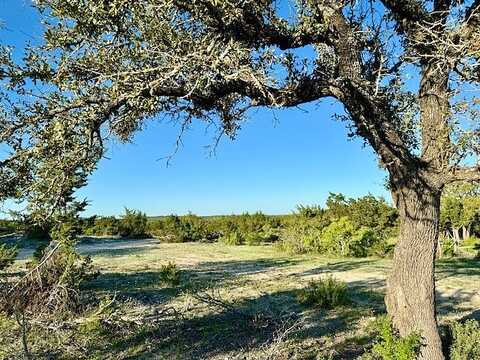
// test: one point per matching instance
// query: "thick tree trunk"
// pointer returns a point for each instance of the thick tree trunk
(466, 232)
(411, 286)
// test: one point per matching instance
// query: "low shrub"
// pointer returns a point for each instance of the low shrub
(382, 248)
(232, 238)
(339, 237)
(471, 241)
(253, 239)
(254, 223)
(389, 345)
(178, 229)
(301, 237)
(471, 245)
(193, 229)
(102, 226)
(365, 242)
(326, 293)
(170, 274)
(52, 284)
(8, 255)
(448, 247)
(9, 226)
(465, 340)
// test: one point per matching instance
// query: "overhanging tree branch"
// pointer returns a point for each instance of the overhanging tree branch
(406, 13)
(464, 174)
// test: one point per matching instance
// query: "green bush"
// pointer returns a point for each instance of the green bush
(365, 242)
(389, 345)
(133, 224)
(381, 248)
(471, 241)
(326, 293)
(253, 239)
(101, 226)
(301, 236)
(173, 228)
(336, 237)
(232, 238)
(170, 274)
(465, 340)
(193, 229)
(8, 255)
(254, 223)
(471, 245)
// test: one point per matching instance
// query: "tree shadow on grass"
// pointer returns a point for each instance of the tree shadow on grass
(246, 267)
(474, 315)
(148, 287)
(344, 265)
(253, 324)
(222, 332)
(457, 267)
(455, 301)
(113, 252)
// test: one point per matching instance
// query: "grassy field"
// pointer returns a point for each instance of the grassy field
(239, 302)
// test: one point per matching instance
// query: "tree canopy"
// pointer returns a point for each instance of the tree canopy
(106, 67)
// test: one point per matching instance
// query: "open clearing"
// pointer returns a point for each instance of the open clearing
(258, 316)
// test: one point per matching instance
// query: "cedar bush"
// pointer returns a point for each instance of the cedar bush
(170, 274)
(133, 224)
(7, 255)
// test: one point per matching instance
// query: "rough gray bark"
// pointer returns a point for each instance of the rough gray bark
(410, 298)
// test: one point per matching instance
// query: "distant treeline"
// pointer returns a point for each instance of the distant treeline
(344, 227)
(358, 227)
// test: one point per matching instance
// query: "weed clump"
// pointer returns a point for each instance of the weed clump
(327, 293)
(389, 345)
(466, 340)
(170, 274)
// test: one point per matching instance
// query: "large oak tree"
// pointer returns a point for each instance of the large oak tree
(407, 73)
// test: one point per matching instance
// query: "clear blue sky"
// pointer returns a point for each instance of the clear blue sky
(278, 160)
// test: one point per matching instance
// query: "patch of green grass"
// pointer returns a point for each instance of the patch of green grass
(326, 293)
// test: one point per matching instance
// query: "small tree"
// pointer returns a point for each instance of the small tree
(133, 224)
